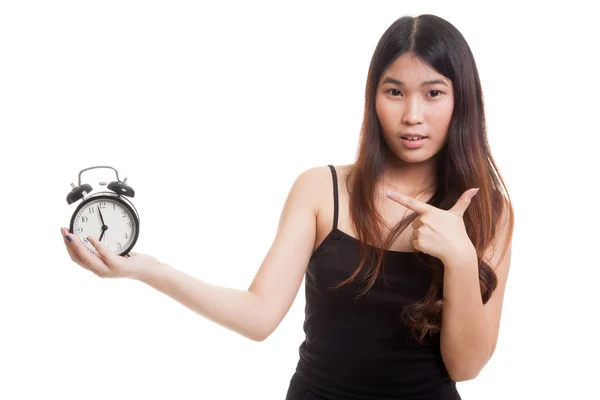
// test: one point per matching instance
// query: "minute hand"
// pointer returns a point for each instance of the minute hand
(101, 219)
(104, 227)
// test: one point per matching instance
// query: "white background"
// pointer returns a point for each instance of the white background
(211, 111)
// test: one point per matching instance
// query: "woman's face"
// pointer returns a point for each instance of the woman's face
(412, 98)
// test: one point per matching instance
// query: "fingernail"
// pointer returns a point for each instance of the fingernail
(475, 192)
(68, 238)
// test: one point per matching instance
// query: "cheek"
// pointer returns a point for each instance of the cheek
(385, 114)
(442, 116)
(379, 108)
(447, 112)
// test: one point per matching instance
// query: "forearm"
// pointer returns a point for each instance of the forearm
(465, 335)
(237, 310)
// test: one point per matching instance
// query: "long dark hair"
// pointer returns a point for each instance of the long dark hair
(463, 163)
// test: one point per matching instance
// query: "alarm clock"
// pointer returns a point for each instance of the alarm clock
(107, 216)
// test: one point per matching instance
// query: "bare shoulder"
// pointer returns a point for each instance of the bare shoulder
(324, 192)
(319, 181)
(315, 186)
(310, 183)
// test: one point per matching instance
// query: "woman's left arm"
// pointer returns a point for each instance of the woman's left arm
(469, 330)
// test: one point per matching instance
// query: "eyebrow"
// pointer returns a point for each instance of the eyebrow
(400, 83)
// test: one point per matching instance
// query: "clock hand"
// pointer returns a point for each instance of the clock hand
(101, 219)
(104, 227)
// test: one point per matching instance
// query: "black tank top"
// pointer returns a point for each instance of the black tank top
(360, 349)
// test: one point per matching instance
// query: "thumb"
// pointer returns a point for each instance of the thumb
(464, 201)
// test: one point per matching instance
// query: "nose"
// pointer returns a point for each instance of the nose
(412, 112)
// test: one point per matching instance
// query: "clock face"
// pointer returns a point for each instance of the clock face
(109, 220)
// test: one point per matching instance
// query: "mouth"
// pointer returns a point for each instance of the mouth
(411, 136)
(413, 141)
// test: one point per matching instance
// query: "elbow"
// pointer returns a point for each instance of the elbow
(257, 339)
(259, 335)
(463, 374)
(465, 369)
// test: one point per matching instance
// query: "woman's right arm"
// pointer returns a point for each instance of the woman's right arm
(255, 313)
(238, 310)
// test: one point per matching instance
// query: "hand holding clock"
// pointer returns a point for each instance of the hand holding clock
(107, 264)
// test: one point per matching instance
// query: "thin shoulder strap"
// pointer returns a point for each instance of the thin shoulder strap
(335, 197)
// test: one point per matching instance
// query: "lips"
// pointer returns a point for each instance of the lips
(416, 141)
(413, 136)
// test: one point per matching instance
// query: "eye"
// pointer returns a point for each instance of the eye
(395, 93)
(435, 91)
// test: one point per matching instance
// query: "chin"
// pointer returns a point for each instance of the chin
(414, 157)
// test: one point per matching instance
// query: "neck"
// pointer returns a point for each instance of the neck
(411, 179)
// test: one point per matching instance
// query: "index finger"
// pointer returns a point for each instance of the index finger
(409, 202)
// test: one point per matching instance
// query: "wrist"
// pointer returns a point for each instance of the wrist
(462, 259)
(153, 273)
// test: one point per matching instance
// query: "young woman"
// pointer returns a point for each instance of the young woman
(405, 252)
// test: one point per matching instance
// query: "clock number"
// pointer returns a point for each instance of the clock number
(129, 224)
(85, 241)
(84, 219)
(79, 229)
(123, 214)
(126, 236)
(92, 210)
(118, 245)
(102, 204)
